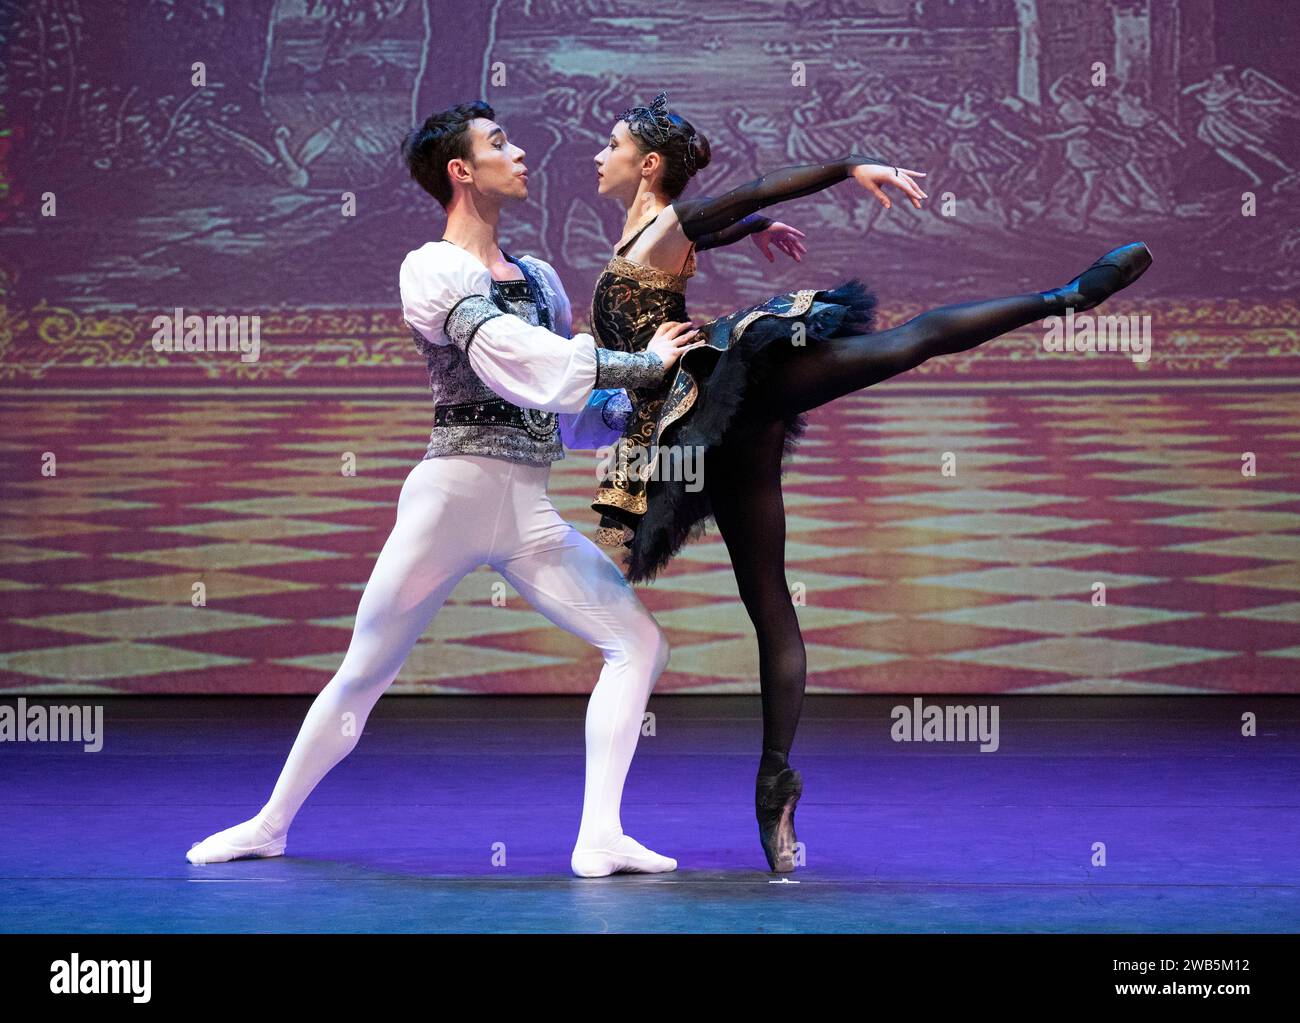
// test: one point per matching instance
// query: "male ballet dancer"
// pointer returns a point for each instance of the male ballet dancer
(480, 318)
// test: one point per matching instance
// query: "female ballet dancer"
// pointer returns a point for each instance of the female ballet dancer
(740, 395)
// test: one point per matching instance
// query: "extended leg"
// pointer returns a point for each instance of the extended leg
(814, 374)
(420, 564)
(817, 373)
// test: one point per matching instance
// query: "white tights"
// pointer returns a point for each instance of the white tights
(454, 514)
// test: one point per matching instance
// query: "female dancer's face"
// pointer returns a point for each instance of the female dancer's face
(620, 164)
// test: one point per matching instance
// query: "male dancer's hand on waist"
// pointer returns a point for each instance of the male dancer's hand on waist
(671, 339)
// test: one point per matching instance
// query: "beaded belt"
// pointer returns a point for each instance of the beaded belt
(500, 412)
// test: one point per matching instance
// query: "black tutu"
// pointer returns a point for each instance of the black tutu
(731, 374)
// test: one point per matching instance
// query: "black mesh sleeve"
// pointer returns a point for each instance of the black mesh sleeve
(706, 215)
(743, 228)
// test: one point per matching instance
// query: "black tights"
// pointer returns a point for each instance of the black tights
(744, 477)
(820, 372)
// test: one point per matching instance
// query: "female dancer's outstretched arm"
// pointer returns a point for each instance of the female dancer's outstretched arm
(705, 215)
(821, 373)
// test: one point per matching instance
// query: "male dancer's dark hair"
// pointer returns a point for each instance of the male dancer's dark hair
(442, 137)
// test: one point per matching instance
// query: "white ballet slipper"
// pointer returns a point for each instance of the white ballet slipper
(624, 855)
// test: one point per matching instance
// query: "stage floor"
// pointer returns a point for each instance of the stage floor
(1199, 824)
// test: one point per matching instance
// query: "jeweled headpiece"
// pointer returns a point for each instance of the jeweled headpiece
(652, 125)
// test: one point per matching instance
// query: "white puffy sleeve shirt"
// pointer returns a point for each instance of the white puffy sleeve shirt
(445, 298)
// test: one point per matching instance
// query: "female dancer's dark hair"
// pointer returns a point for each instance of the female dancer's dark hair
(685, 151)
(742, 472)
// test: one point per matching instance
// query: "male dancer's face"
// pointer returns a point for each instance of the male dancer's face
(496, 170)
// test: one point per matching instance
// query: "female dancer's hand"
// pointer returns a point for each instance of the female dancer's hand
(872, 175)
(784, 237)
(669, 341)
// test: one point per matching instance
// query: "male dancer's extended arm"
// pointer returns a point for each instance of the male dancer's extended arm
(445, 301)
(707, 215)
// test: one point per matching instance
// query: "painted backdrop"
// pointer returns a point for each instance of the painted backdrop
(240, 160)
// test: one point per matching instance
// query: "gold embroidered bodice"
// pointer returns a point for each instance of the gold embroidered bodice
(631, 299)
(629, 303)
